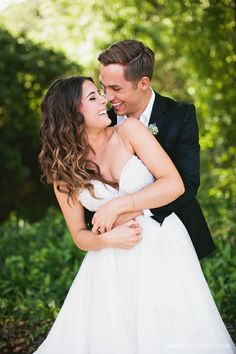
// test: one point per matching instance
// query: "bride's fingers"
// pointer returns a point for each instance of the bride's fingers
(96, 228)
(109, 227)
(131, 223)
(137, 236)
(135, 225)
(138, 231)
(101, 229)
(94, 218)
(136, 240)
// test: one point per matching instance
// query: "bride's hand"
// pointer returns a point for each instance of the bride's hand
(104, 219)
(122, 218)
(124, 236)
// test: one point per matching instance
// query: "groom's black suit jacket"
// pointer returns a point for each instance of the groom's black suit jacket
(178, 135)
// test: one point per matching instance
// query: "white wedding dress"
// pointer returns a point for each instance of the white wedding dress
(152, 299)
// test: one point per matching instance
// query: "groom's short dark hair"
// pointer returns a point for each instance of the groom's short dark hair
(137, 58)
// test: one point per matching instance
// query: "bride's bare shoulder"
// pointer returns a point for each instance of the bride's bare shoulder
(128, 125)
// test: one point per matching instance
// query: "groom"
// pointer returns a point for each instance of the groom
(126, 71)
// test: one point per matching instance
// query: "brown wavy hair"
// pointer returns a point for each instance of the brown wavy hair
(65, 146)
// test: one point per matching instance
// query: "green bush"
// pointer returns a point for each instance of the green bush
(219, 270)
(26, 70)
(38, 264)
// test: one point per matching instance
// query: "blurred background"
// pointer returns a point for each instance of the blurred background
(194, 42)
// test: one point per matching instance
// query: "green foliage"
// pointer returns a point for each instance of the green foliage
(70, 26)
(38, 263)
(26, 70)
(219, 270)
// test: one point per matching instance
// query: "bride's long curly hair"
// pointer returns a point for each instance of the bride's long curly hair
(65, 146)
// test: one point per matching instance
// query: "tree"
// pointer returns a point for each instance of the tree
(26, 69)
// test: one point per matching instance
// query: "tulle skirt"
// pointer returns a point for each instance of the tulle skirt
(152, 299)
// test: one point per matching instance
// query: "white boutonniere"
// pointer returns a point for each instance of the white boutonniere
(153, 128)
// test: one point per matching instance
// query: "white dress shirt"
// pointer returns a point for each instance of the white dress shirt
(144, 118)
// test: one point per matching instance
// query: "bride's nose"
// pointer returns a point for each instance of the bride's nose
(104, 99)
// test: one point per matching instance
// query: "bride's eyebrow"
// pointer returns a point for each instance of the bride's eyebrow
(91, 93)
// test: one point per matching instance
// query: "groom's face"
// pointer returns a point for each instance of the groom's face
(125, 96)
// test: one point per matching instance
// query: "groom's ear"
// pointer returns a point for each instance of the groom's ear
(143, 83)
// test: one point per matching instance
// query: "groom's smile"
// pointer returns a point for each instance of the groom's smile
(117, 106)
(127, 97)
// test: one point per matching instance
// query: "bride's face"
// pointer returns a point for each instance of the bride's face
(93, 107)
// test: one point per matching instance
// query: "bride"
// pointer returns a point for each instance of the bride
(140, 288)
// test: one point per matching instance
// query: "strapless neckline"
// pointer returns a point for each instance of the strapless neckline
(121, 173)
(134, 175)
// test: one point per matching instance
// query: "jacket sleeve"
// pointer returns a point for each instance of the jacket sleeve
(186, 158)
(88, 218)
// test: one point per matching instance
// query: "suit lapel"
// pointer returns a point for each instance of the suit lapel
(158, 110)
(112, 116)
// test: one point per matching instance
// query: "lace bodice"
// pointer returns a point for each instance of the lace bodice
(134, 176)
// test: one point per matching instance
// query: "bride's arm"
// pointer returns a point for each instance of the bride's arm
(124, 236)
(167, 187)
